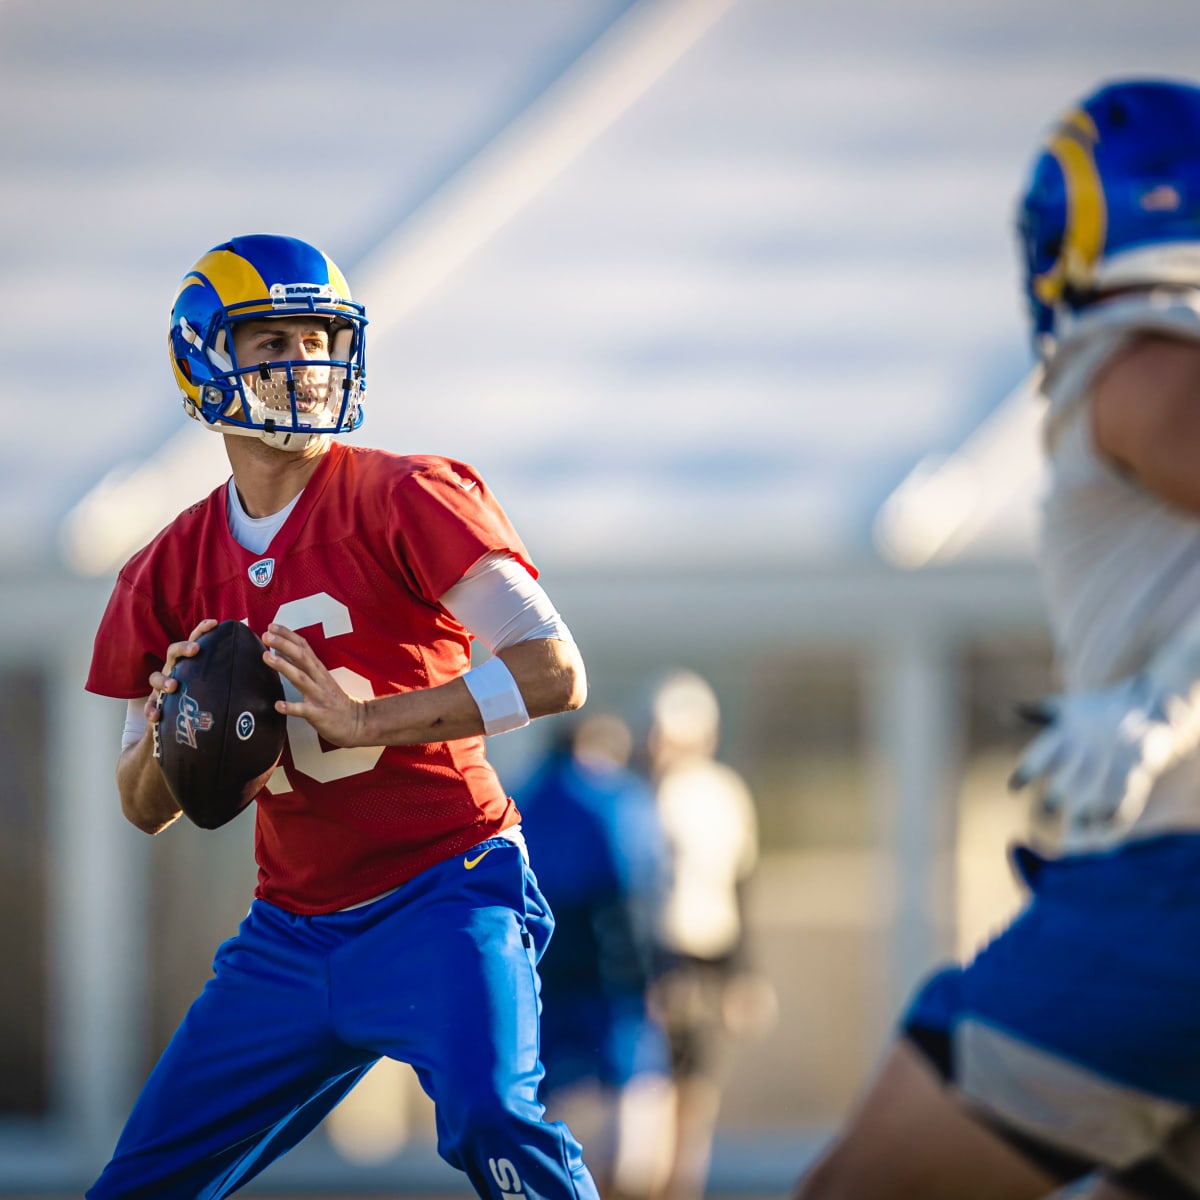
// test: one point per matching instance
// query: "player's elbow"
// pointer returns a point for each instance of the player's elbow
(574, 680)
(142, 818)
(150, 819)
(145, 806)
(564, 686)
(550, 675)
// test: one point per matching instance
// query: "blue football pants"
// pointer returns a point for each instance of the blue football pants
(1076, 1029)
(440, 974)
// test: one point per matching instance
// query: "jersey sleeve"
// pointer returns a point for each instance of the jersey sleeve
(130, 643)
(446, 519)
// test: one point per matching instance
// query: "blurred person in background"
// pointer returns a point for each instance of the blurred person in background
(592, 828)
(1068, 1049)
(709, 994)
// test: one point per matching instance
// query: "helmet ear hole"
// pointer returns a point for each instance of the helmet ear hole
(182, 366)
(220, 353)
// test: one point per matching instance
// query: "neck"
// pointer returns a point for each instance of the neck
(268, 479)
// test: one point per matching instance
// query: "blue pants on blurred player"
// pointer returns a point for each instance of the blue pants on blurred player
(299, 1008)
(1076, 1030)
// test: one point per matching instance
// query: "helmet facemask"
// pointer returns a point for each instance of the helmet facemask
(286, 402)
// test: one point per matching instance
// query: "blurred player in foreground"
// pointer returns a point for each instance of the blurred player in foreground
(1071, 1043)
(395, 913)
(708, 994)
(594, 834)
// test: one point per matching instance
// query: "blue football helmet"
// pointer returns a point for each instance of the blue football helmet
(1113, 201)
(285, 403)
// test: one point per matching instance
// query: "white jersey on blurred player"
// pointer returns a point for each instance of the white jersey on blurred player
(1120, 569)
(1069, 1046)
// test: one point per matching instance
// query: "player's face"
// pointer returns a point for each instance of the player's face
(285, 339)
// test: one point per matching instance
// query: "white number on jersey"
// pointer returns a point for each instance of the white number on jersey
(322, 765)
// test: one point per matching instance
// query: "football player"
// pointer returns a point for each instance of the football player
(595, 835)
(710, 993)
(1069, 1046)
(395, 912)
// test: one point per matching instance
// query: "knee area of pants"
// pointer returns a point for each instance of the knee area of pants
(480, 1117)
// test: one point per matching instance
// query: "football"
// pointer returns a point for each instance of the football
(220, 737)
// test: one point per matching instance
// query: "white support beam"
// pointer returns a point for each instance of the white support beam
(98, 918)
(914, 733)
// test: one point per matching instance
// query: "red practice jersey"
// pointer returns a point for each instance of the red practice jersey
(357, 568)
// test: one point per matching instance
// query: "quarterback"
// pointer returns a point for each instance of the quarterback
(395, 912)
(1068, 1049)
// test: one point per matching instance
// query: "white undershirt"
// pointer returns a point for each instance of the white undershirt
(254, 533)
(501, 604)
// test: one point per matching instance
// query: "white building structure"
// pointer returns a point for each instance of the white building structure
(720, 295)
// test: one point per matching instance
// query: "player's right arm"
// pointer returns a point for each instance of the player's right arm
(146, 801)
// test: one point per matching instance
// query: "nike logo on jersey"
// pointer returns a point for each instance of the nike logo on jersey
(465, 484)
(472, 863)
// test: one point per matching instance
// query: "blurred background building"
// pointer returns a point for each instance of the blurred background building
(719, 295)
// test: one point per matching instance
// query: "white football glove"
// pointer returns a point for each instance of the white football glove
(1099, 755)
(1102, 750)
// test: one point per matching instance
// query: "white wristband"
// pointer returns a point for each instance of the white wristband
(497, 696)
(135, 723)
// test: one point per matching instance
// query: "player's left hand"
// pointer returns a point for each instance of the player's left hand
(1098, 756)
(336, 716)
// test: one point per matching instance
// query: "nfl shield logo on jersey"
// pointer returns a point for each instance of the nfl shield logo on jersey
(260, 572)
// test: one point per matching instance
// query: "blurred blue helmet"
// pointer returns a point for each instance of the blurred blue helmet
(1113, 200)
(287, 402)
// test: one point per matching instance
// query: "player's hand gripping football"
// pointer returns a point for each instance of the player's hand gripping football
(163, 680)
(1101, 751)
(339, 718)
